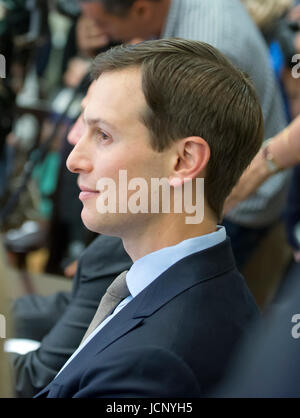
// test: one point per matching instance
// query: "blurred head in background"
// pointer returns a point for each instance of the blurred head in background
(122, 20)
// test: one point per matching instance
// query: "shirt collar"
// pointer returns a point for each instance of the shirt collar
(146, 269)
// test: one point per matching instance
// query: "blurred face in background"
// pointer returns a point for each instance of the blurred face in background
(138, 22)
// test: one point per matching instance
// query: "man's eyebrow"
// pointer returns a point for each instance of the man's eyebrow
(96, 121)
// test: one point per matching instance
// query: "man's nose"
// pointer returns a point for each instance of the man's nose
(79, 159)
(76, 131)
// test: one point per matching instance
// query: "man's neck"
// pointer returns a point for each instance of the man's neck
(167, 232)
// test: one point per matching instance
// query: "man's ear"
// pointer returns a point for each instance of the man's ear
(191, 156)
(142, 9)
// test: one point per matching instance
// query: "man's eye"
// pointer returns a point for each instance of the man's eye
(101, 135)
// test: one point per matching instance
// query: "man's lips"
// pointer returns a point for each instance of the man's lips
(87, 193)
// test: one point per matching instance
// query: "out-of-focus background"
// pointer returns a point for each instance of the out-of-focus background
(40, 226)
(44, 75)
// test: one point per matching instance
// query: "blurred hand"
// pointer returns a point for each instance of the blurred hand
(90, 36)
(297, 256)
(70, 270)
(250, 180)
(240, 192)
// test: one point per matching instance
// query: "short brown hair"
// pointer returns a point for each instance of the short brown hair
(191, 89)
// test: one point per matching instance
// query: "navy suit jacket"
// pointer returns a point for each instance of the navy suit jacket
(174, 339)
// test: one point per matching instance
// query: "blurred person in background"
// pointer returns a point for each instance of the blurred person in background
(266, 364)
(35, 110)
(277, 22)
(50, 197)
(273, 18)
(25, 43)
(59, 321)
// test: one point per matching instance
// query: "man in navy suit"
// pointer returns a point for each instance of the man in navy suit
(177, 111)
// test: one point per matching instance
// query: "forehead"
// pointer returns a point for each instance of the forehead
(117, 94)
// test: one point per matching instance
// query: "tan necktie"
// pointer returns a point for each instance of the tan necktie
(114, 294)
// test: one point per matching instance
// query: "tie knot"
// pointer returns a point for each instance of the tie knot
(118, 288)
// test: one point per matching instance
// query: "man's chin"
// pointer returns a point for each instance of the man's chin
(100, 226)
